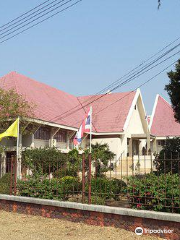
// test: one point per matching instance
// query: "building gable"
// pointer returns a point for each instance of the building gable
(136, 122)
(163, 123)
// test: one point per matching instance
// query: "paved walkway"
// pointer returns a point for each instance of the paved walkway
(15, 226)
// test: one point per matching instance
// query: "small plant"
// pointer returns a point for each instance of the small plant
(152, 192)
(97, 200)
(168, 159)
(106, 188)
(43, 160)
(101, 158)
(42, 187)
(5, 184)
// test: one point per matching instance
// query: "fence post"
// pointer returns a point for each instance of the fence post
(83, 178)
(11, 180)
(15, 175)
(89, 181)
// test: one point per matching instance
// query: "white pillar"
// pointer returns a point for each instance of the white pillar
(3, 164)
(148, 143)
(19, 158)
(130, 147)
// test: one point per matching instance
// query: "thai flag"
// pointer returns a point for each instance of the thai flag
(84, 128)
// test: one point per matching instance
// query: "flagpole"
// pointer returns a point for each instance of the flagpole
(90, 148)
(17, 152)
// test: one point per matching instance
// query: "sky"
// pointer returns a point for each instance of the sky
(91, 45)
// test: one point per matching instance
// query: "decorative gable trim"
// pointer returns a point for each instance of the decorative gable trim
(134, 102)
(153, 112)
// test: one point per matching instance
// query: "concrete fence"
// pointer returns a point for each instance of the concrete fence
(165, 225)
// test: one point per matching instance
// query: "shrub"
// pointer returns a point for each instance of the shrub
(44, 160)
(117, 187)
(70, 185)
(101, 157)
(168, 159)
(60, 189)
(5, 184)
(96, 200)
(152, 192)
(106, 188)
(65, 172)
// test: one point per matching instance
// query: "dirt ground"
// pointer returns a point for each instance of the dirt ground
(22, 227)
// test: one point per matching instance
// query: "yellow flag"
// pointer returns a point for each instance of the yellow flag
(12, 131)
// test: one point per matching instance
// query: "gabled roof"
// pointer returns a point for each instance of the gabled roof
(109, 113)
(163, 123)
(50, 102)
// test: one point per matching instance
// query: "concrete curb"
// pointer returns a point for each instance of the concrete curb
(96, 208)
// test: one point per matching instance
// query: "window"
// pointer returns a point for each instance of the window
(128, 141)
(60, 136)
(42, 133)
(161, 143)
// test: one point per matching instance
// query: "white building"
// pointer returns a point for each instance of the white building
(162, 124)
(119, 119)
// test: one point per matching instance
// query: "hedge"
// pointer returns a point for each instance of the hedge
(106, 188)
(5, 184)
(152, 192)
(59, 189)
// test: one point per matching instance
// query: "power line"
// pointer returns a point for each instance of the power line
(131, 75)
(24, 14)
(128, 74)
(141, 85)
(131, 78)
(41, 16)
(140, 65)
(75, 3)
(27, 15)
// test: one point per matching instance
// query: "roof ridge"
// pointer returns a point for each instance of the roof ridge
(13, 73)
(111, 93)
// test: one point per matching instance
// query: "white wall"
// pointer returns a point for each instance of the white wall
(114, 143)
(137, 123)
(41, 143)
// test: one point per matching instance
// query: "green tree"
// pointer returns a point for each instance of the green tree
(101, 157)
(43, 160)
(13, 105)
(167, 160)
(72, 165)
(173, 89)
(74, 161)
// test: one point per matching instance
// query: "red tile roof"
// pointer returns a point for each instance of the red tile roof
(110, 112)
(51, 102)
(163, 121)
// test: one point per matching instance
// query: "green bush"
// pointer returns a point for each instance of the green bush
(44, 160)
(70, 185)
(65, 172)
(106, 188)
(5, 184)
(96, 200)
(168, 159)
(60, 189)
(152, 192)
